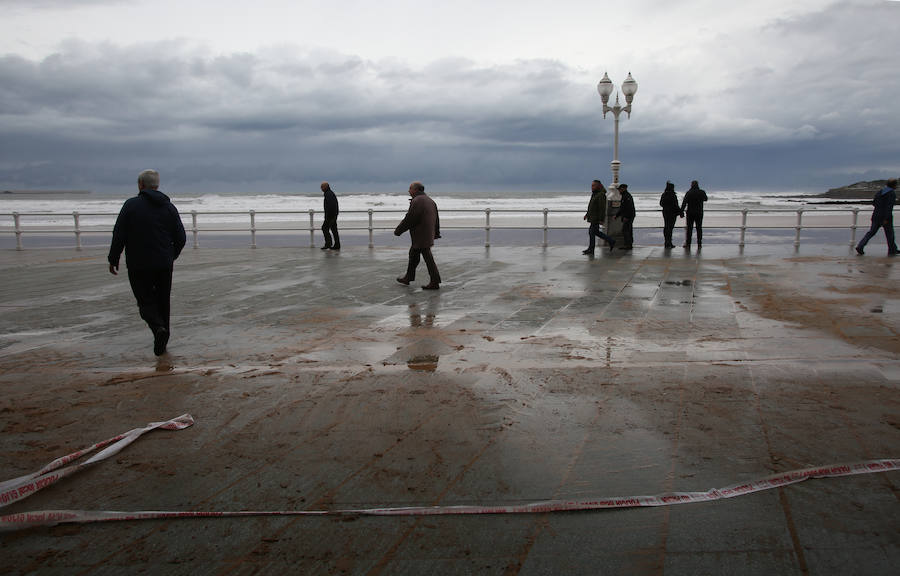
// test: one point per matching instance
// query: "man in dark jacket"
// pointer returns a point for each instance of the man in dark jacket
(626, 214)
(150, 231)
(670, 211)
(424, 226)
(883, 217)
(692, 209)
(329, 227)
(596, 215)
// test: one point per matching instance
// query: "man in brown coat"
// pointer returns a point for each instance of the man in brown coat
(424, 226)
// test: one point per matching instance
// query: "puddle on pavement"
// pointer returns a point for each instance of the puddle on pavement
(424, 363)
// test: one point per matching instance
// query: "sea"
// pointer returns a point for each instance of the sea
(221, 213)
(95, 203)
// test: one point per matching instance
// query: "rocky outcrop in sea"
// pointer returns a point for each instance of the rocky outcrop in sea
(857, 191)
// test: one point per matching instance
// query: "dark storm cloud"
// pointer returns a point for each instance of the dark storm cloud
(75, 114)
(811, 106)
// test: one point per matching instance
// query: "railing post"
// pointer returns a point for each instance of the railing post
(77, 231)
(18, 225)
(253, 228)
(371, 241)
(853, 227)
(487, 227)
(743, 226)
(194, 229)
(546, 211)
(799, 227)
(312, 229)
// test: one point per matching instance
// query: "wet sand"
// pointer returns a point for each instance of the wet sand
(318, 382)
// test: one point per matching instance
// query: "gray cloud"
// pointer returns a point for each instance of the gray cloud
(806, 102)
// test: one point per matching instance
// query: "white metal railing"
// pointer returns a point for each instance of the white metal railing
(487, 219)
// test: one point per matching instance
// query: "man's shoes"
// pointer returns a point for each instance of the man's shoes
(403, 280)
(612, 244)
(670, 246)
(326, 247)
(431, 286)
(859, 251)
(589, 252)
(686, 246)
(336, 247)
(160, 339)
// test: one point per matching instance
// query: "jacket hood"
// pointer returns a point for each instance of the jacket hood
(155, 196)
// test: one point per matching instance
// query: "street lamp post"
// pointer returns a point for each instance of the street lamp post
(605, 88)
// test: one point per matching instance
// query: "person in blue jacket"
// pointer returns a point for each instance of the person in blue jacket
(150, 231)
(883, 217)
(670, 211)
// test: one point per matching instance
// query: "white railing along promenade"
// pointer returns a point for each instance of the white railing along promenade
(741, 221)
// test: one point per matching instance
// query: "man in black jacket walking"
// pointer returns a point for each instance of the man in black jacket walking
(329, 227)
(150, 231)
(883, 217)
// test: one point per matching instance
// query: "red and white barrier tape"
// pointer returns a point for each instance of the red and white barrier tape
(24, 486)
(53, 517)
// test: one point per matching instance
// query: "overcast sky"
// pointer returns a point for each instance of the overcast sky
(275, 96)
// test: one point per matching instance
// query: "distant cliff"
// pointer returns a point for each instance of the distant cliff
(858, 191)
(45, 192)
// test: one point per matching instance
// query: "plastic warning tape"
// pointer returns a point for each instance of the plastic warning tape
(53, 517)
(24, 486)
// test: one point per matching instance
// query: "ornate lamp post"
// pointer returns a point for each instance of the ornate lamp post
(605, 88)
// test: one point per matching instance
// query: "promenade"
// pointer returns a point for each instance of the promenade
(317, 382)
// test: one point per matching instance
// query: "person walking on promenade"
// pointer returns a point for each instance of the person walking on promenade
(150, 231)
(670, 211)
(424, 227)
(329, 227)
(883, 217)
(596, 215)
(692, 209)
(626, 214)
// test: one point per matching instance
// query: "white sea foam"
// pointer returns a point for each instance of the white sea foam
(100, 210)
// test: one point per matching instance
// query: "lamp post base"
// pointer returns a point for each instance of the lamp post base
(613, 226)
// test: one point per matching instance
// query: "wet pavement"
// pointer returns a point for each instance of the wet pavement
(318, 382)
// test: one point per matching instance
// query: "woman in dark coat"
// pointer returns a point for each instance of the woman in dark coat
(670, 211)
(626, 214)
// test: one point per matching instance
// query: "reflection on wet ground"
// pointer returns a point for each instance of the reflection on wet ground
(318, 382)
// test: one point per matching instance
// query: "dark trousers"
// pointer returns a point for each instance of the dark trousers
(692, 221)
(152, 289)
(888, 235)
(329, 228)
(628, 233)
(414, 255)
(593, 231)
(668, 227)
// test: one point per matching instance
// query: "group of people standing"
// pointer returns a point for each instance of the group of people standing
(690, 208)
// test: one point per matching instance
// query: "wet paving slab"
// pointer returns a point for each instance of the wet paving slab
(317, 382)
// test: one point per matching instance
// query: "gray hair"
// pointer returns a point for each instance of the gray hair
(148, 180)
(418, 186)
